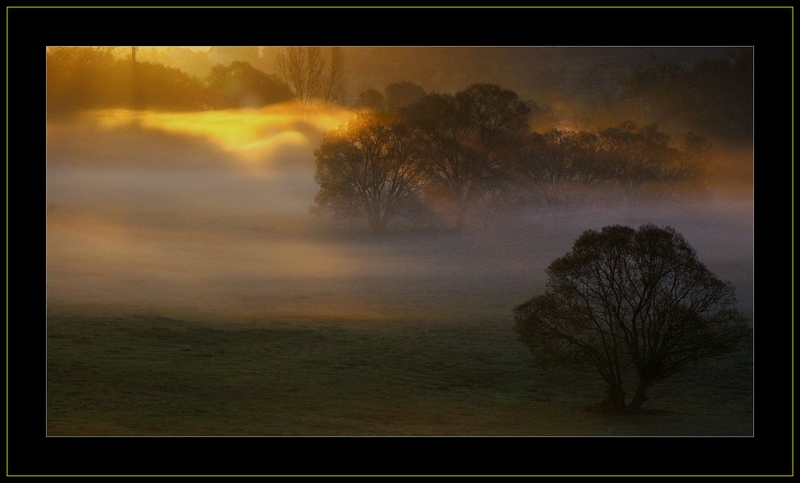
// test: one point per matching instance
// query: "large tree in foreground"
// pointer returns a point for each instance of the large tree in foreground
(631, 299)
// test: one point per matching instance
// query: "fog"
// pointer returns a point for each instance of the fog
(205, 216)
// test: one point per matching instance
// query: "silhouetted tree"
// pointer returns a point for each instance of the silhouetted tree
(303, 68)
(714, 96)
(625, 298)
(369, 167)
(472, 138)
(558, 166)
(92, 77)
(371, 99)
(160, 87)
(239, 84)
(402, 94)
(334, 86)
(80, 77)
(642, 162)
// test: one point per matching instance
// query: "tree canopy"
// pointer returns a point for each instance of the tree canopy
(369, 167)
(239, 84)
(469, 142)
(477, 151)
(631, 299)
(92, 77)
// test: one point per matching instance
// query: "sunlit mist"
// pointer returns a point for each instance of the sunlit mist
(205, 213)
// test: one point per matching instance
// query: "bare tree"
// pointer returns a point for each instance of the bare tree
(303, 69)
(334, 87)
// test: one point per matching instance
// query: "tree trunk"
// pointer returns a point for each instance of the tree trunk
(461, 215)
(639, 397)
(376, 225)
(616, 399)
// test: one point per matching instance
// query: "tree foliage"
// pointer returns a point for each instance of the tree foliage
(239, 84)
(713, 96)
(470, 138)
(402, 94)
(368, 167)
(557, 166)
(371, 99)
(641, 161)
(625, 164)
(102, 77)
(631, 299)
(479, 151)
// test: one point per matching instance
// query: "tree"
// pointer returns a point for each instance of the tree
(714, 96)
(557, 166)
(402, 94)
(303, 68)
(625, 298)
(80, 77)
(334, 86)
(371, 99)
(92, 77)
(641, 161)
(472, 138)
(239, 84)
(369, 167)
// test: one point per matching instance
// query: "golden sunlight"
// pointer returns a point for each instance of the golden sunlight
(255, 137)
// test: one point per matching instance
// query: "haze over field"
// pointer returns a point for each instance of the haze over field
(205, 215)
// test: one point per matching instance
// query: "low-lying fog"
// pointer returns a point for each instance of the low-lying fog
(206, 217)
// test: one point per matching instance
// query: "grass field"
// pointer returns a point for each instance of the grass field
(158, 376)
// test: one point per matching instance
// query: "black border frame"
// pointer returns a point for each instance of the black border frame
(768, 452)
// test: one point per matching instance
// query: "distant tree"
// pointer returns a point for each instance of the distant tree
(472, 139)
(334, 86)
(631, 299)
(714, 96)
(371, 99)
(162, 87)
(558, 166)
(368, 167)
(303, 68)
(239, 84)
(80, 77)
(402, 94)
(102, 77)
(642, 162)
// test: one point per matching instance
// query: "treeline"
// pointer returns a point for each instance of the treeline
(98, 77)
(713, 96)
(452, 155)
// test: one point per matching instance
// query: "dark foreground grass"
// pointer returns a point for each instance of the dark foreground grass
(158, 376)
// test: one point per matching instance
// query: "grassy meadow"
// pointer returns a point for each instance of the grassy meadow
(151, 376)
